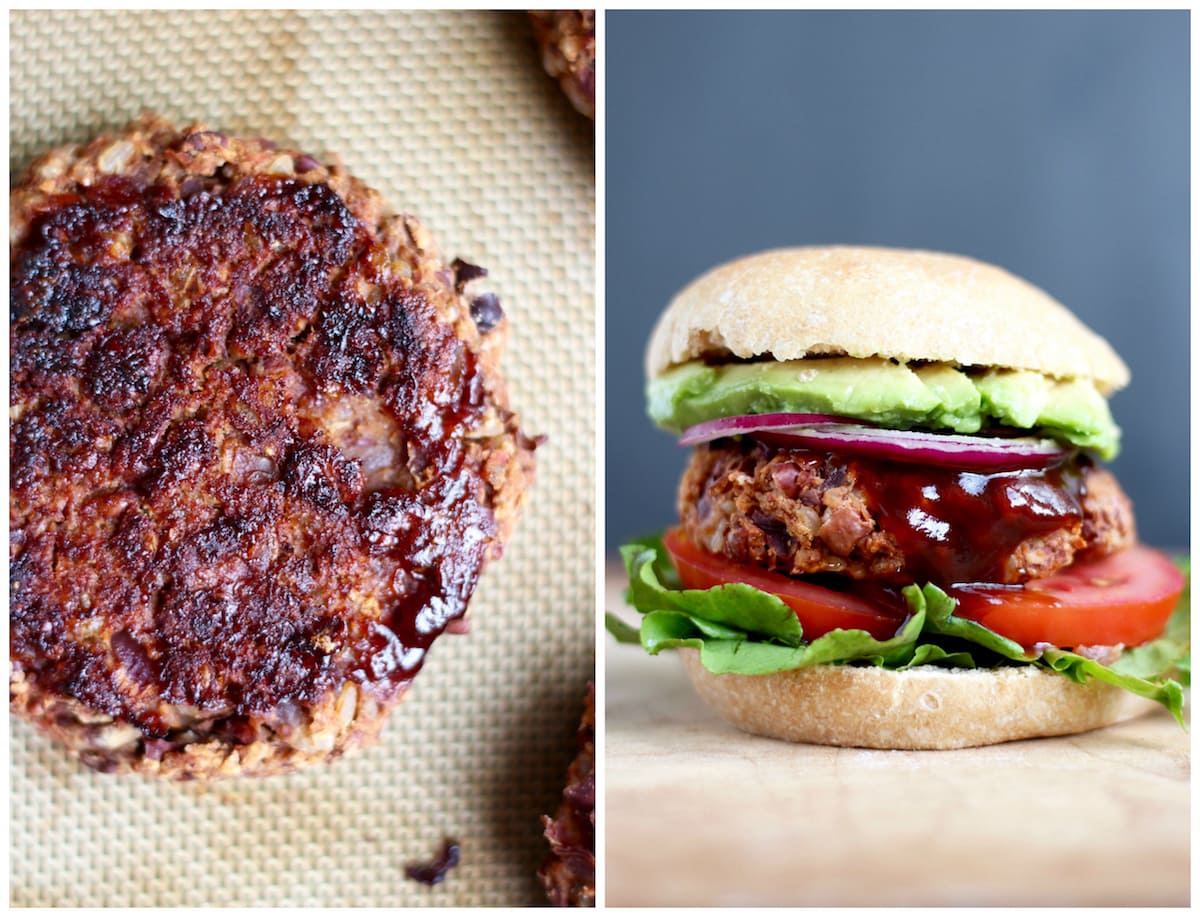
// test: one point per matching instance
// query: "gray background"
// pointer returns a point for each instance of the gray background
(1052, 143)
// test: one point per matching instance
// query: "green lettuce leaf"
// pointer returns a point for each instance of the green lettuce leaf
(741, 630)
(1078, 668)
(744, 607)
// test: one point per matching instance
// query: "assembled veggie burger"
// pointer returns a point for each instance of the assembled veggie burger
(894, 528)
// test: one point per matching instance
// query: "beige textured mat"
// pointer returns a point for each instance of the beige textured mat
(451, 117)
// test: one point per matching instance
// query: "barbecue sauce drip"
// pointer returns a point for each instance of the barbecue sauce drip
(961, 527)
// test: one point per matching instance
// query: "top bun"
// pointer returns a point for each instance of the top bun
(878, 302)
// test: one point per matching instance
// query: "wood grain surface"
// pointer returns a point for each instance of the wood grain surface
(698, 813)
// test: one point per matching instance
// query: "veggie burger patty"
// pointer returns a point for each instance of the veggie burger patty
(800, 512)
(260, 452)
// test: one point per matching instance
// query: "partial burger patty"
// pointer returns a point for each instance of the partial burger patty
(569, 872)
(260, 452)
(802, 512)
(567, 40)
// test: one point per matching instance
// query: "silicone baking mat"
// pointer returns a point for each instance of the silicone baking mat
(450, 116)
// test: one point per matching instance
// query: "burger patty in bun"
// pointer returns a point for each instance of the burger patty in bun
(896, 481)
(801, 512)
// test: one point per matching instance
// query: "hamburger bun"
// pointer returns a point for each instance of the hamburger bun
(863, 302)
(922, 708)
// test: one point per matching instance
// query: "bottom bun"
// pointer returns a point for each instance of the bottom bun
(925, 707)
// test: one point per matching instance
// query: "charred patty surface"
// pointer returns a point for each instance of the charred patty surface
(260, 452)
(802, 512)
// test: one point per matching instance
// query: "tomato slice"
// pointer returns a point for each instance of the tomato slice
(820, 610)
(1125, 598)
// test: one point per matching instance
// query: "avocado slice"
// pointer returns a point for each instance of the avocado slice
(922, 396)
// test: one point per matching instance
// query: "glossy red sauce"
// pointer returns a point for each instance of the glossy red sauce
(961, 527)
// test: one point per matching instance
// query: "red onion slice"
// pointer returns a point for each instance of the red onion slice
(954, 450)
(752, 423)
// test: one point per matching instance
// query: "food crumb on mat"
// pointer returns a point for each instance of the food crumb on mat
(434, 872)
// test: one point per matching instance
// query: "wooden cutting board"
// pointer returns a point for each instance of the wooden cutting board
(697, 813)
